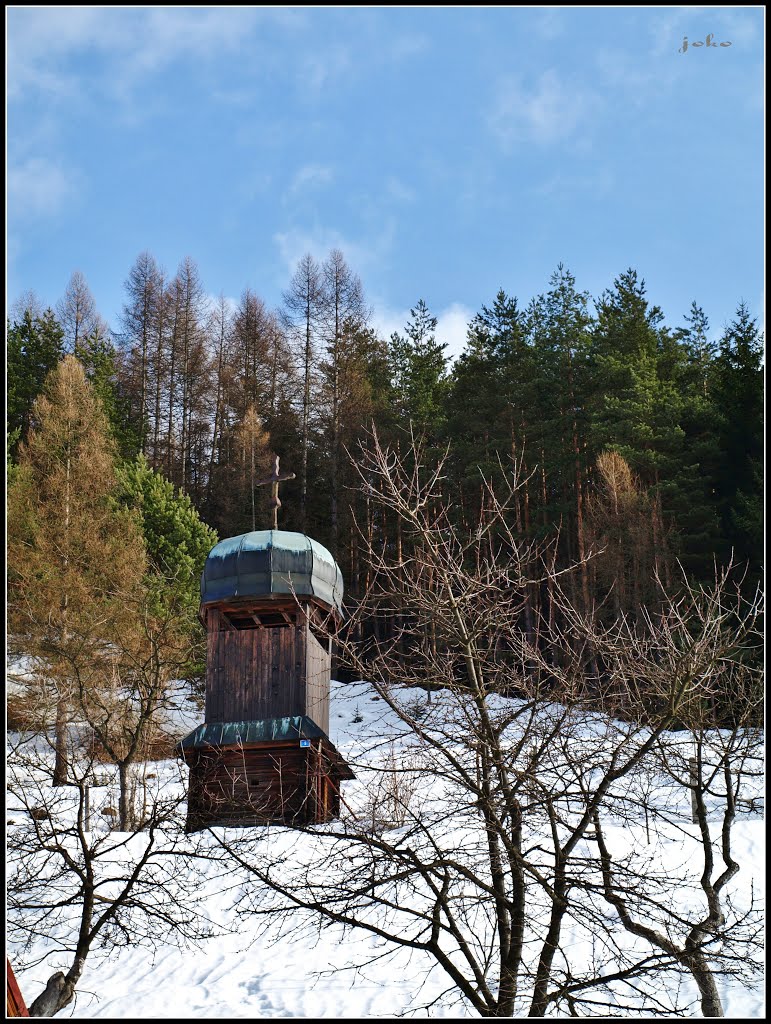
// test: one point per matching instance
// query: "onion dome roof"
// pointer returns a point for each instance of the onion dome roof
(271, 562)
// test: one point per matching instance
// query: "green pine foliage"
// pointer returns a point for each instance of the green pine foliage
(560, 323)
(35, 346)
(688, 493)
(551, 386)
(98, 357)
(419, 372)
(489, 403)
(176, 539)
(737, 394)
(634, 405)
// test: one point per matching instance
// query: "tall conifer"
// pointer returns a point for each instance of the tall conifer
(74, 557)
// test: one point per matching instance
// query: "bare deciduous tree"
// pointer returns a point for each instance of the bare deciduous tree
(89, 888)
(77, 313)
(303, 303)
(507, 866)
(343, 312)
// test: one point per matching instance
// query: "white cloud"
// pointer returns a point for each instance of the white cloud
(631, 79)
(387, 321)
(406, 46)
(295, 243)
(39, 187)
(397, 190)
(362, 256)
(138, 41)
(309, 177)
(547, 111)
(561, 185)
(548, 22)
(169, 33)
(452, 325)
(317, 70)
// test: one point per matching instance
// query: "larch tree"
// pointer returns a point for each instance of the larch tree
(77, 313)
(192, 370)
(144, 287)
(303, 304)
(219, 331)
(74, 557)
(344, 312)
(253, 326)
(253, 443)
(619, 526)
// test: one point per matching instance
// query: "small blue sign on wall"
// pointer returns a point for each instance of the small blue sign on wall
(305, 743)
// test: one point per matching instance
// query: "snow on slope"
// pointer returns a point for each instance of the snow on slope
(240, 974)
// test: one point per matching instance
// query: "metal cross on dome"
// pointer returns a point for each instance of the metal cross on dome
(274, 480)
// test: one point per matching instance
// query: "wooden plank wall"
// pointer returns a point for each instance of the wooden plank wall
(266, 672)
(255, 673)
(318, 670)
(285, 783)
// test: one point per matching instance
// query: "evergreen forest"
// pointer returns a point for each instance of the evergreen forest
(638, 439)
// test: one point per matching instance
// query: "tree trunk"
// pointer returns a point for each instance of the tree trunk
(711, 1005)
(57, 994)
(62, 710)
(125, 802)
(60, 764)
(306, 420)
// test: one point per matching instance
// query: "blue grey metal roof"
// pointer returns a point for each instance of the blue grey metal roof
(267, 562)
(225, 734)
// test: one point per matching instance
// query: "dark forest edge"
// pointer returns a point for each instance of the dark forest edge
(640, 445)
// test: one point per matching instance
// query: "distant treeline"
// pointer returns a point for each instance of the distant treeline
(637, 438)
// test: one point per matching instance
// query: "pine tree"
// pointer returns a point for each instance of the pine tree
(561, 340)
(737, 391)
(420, 372)
(35, 346)
(176, 540)
(484, 407)
(686, 358)
(636, 403)
(99, 358)
(701, 351)
(627, 396)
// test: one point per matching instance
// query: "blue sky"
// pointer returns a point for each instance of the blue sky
(448, 152)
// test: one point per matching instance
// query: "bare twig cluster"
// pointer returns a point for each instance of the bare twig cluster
(538, 847)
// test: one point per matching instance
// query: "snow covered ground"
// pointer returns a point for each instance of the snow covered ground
(241, 973)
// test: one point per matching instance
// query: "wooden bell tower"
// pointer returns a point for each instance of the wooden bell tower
(263, 753)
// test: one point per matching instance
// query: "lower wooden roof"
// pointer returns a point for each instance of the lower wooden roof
(225, 734)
